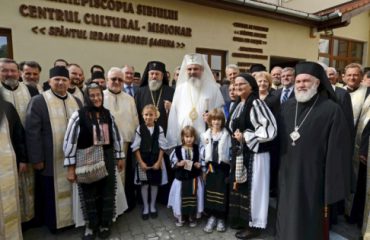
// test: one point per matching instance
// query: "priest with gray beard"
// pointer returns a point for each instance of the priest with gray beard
(314, 152)
(154, 90)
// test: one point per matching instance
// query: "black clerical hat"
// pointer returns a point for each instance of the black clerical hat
(58, 71)
(316, 70)
(257, 68)
(154, 65)
(97, 75)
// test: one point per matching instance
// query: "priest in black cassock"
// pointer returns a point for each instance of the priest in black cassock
(154, 90)
(314, 170)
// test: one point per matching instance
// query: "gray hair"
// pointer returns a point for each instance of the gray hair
(232, 66)
(288, 69)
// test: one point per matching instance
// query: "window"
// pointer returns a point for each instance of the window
(339, 52)
(216, 61)
(6, 49)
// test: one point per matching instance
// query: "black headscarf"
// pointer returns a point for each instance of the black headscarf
(91, 111)
(252, 81)
(316, 70)
(154, 65)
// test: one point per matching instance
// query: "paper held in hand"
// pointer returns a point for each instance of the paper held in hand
(188, 165)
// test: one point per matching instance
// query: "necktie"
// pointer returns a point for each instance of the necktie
(285, 95)
(129, 90)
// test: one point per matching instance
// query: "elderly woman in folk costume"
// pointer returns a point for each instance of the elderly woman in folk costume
(92, 129)
(252, 125)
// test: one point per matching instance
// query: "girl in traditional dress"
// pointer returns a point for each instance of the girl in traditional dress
(150, 170)
(186, 194)
(93, 125)
(217, 143)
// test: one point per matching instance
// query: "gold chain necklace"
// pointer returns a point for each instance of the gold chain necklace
(156, 104)
(193, 114)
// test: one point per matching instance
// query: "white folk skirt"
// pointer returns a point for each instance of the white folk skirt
(121, 203)
(174, 199)
(260, 190)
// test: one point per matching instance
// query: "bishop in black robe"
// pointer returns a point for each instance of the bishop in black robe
(315, 171)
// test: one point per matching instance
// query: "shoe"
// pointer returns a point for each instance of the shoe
(88, 237)
(179, 223)
(221, 225)
(154, 214)
(211, 224)
(192, 223)
(105, 233)
(247, 233)
(145, 216)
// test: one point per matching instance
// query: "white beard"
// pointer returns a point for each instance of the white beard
(302, 96)
(195, 82)
(11, 82)
(154, 85)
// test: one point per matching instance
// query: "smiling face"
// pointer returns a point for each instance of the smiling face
(9, 74)
(305, 87)
(96, 97)
(115, 81)
(353, 77)
(149, 116)
(30, 74)
(242, 87)
(263, 83)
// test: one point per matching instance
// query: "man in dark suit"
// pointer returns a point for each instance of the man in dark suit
(128, 80)
(287, 80)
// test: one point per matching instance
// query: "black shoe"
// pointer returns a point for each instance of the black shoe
(145, 216)
(247, 233)
(104, 234)
(154, 214)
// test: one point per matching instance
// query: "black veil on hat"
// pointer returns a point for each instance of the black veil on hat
(317, 71)
(154, 65)
(257, 68)
(97, 75)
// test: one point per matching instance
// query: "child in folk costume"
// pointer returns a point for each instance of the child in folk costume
(150, 170)
(217, 142)
(186, 194)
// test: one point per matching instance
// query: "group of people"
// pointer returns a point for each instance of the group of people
(74, 151)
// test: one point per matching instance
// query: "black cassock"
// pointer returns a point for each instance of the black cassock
(143, 98)
(313, 173)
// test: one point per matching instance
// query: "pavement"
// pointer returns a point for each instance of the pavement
(130, 226)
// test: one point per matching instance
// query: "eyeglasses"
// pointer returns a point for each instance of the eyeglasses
(116, 79)
(239, 84)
